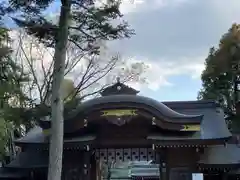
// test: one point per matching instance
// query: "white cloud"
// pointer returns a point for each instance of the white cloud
(158, 73)
(128, 6)
(174, 36)
(37, 61)
(140, 6)
(226, 11)
(172, 41)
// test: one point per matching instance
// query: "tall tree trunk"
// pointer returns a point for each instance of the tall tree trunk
(56, 142)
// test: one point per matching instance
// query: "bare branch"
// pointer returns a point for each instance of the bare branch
(99, 74)
(32, 70)
(90, 73)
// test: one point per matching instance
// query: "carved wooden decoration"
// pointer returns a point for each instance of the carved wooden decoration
(119, 112)
(85, 122)
(119, 116)
(153, 121)
(46, 132)
(191, 128)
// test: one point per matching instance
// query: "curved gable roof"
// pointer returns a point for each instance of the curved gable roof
(134, 101)
(161, 112)
(213, 124)
(213, 117)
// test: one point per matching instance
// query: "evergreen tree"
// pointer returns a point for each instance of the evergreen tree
(84, 23)
(11, 79)
(221, 75)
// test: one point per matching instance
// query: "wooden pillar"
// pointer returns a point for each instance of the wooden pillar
(32, 175)
(224, 176)
(86, 163)
(93, 167)
(163, 165)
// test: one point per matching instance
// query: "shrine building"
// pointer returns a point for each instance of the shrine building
(122, 135)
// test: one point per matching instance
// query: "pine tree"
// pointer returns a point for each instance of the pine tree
(83, 23)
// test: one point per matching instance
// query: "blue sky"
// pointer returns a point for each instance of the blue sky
(174, 37)
(185, 88)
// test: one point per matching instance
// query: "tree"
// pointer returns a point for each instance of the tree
(11, 95)
(90, 73)
(4, 134)
(90, 23)
(221, 74)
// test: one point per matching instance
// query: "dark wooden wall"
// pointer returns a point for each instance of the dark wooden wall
(181, 157)
(181, 162)
(132, 134)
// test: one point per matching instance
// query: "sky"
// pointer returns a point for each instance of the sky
(173, 38)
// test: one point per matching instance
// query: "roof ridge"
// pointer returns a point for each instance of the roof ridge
(192, 104)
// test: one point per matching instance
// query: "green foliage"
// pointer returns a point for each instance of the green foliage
(11, 95)
(90, 23)
(71, 101)
(11, 79)
(5, 129)
(68, 90)
(33, 6)
(222, 73)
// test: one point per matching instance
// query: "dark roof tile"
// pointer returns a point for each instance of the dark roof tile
(221, 155)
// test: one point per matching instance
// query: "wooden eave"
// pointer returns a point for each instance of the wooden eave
(187, 143)
(146, 107)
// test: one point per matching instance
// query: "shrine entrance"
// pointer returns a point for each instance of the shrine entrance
(126, 163)
(122, 135)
